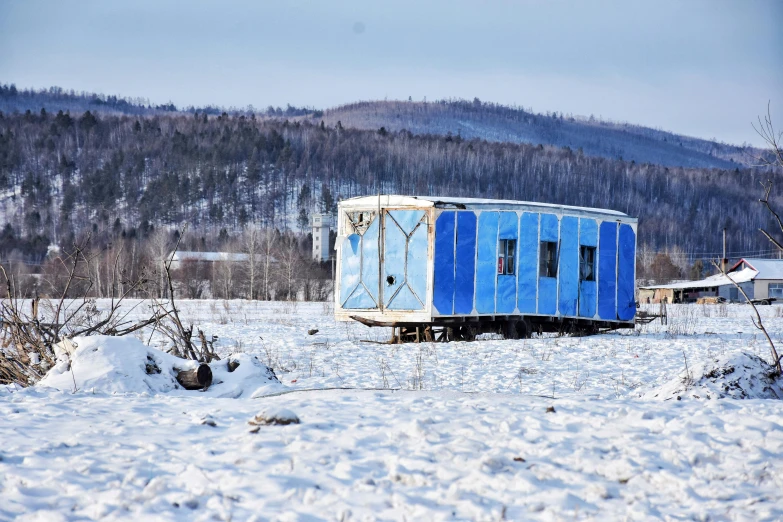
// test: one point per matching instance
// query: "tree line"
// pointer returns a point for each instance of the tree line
(65, 175)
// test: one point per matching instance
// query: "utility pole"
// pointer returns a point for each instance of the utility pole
(724, 261)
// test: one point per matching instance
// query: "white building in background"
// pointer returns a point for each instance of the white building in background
(321, 224)
(760, 279)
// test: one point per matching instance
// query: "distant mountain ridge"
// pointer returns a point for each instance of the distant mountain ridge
(461, 118)
(500, 123)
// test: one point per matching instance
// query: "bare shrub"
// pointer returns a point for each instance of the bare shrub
(31, 327)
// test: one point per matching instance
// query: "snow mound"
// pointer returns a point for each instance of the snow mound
(250, 378)
(279, 416)
(735, 376)
(122, 365)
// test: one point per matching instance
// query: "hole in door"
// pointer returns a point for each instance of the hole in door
(390, 280)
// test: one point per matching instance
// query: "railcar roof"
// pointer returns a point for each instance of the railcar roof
(387, 200)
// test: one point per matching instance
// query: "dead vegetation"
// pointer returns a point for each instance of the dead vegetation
(33, 327)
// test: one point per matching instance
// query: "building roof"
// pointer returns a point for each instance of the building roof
(388, 200)
(766, 268)
(742, 276)
(207, 256)
(746, 269)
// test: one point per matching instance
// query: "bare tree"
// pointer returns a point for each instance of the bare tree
(766, 130)
(252, 245)
(773, 159)
(268, 245)
(757, 320)
(158, 248)
(289, 264)
(30, 328)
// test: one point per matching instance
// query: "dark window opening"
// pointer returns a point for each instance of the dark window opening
(507, 249)
(586, 263)
(547, 259)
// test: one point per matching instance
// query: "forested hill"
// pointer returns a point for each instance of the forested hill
(500, 123)
(476, 119)
(62, 174)
(54, 99)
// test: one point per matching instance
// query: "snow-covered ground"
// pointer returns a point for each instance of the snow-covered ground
(459, 431)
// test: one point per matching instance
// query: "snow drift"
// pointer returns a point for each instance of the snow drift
(736, 376)
(121, 365)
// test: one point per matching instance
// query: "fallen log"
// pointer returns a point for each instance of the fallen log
(195, 379)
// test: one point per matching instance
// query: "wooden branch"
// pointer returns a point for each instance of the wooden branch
(772, 239)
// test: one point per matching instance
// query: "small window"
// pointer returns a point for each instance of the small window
(507, 249)
(775, 290)
(547, 259)
(586, 263)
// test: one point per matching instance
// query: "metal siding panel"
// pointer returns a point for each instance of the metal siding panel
(626, 304)
(417, 264)
(587, 298)
(568, 270)
(588, 290)
(507, 284)
(405, 300)
(486, 268)
(607, 271)
(443, 290)
(527, 262)
(350, 266)
(547, 286)
(394, 241)
(547, 295)
(407, 219)
(465, 262)
(370, 258)
(360, 300)
(549, 226)
(588, 232)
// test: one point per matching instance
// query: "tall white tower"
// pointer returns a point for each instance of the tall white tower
(321, 224)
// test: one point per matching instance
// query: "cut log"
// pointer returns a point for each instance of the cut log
(232, 365)
(195, 379)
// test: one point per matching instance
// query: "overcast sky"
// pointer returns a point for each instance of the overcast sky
(703, 68)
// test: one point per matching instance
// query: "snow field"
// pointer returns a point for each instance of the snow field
(389, 455)
(457, 431)
(623, 364)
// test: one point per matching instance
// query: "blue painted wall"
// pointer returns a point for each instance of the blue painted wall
(443, 293)
(547, 286)
(527, 262)
(569, 266)
(588, 290)
(465, 266)
(486, 267)
(465, 262)
(506, 283)
(607, 271)
(626, 303)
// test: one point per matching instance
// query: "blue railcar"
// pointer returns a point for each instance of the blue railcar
(474, 265)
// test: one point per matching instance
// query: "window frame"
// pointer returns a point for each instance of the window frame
(583, 262)
(547, 265)
(775, 286)
(507, 252)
